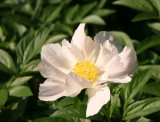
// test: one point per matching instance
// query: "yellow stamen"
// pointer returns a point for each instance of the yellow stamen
(87, 70)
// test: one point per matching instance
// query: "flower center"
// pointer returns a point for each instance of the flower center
(87, 70)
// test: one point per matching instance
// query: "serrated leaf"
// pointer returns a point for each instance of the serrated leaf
(3, 96)
(123, 38)
(20, 91)
(6, 63)
(141, 5)
(21, 80)
(148, 43)
(93, 19)
(142, 108)
(30, 45)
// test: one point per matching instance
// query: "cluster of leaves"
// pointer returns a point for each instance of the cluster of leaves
(25, 26)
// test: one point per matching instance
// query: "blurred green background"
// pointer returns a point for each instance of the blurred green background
(27, 25)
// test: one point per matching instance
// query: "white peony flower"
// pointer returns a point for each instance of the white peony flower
(85, 64)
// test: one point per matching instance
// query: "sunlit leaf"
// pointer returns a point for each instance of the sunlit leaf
(21, 80)
(20, 91)
(93, 19)
(141, 5)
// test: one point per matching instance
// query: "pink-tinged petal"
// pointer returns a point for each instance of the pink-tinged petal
(72, 51)
(123, 64)
(79, 37)
(51, 90)
(74, 84)
(55, 55)
(97, 97)
(49, 71)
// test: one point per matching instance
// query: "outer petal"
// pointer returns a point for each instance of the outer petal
(122, 66)
(79, 37)
(49, 71)
(74, 84)
(51, 90)
(98, 96)
(55, 55)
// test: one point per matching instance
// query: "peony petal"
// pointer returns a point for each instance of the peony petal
(123, 64)
(89, 47)
(72, 51)
(51, 90)
(123, 79)
(49, 71)
(55, 55)
(79, 37)
(98, 96)
(103, 36)
(74, 84)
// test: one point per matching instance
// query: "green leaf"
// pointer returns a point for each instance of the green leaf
(84, 10)
(143, 119)
(156, 70)
(51, 13)
(142, 108)
(123, 38)
(70, 14)
(93, 19)
(156, 5)
(137, 83)
(141, 5)
(155, 27)
(152, 88)
(6, 63)
(103, 12)
(20, 91)
(56, 38)
(144, 16)
(61, 119)
(31, 67)
(3, 96)
(148, 43)
(21, 80)
(30, 45)
(65, 102)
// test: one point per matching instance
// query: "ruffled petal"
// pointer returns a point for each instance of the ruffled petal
(72, 51)
(103, 36)
(124, 64)
(55, 55)
(74, 84)
(79, 37)
(98, 96)
(49, 71)
(51, 90)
